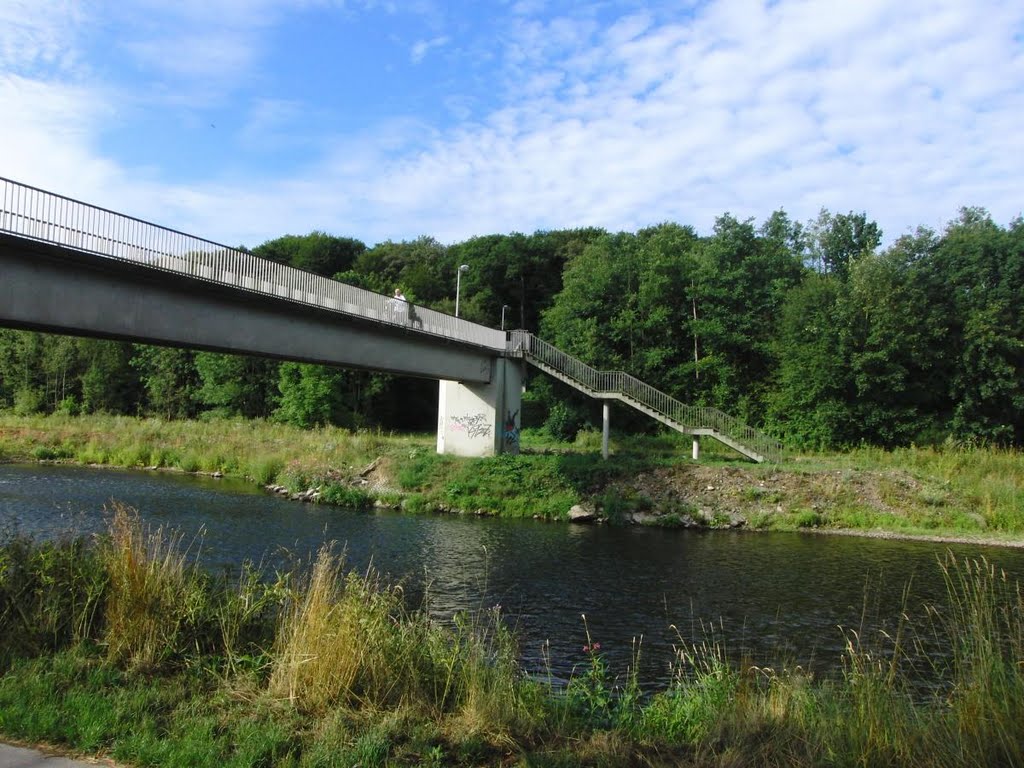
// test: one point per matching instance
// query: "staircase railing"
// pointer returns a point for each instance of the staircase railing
(685, 418)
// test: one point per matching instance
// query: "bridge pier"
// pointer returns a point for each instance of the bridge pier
(481, 419)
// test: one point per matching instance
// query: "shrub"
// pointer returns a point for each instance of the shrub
(345, 496)
(28, 401)
(50, 596)
(265, 471)
(68, 406)
(563, 422)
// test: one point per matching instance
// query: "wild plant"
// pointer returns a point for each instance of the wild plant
(51, 596)
(153, 591)
(339, 641)
(264, 471)
(589, 693)
(313, 649)
(701, 692)
(982, 623)
(878, 719)
(482, 685)
(245, 615)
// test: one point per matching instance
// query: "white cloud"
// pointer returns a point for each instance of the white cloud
(34, 34)
(422, 47)
(46, 135)
(746, 108)
(195, 56)
(194, 46)
(906, 110)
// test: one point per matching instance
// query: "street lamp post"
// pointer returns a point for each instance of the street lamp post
(503, 308)
(458, 285)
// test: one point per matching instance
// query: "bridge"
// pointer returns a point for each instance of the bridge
(70, 267)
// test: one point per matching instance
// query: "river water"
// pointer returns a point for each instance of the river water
(775, 599)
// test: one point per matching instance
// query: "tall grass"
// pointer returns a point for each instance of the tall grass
(948, 490)
(971, 484)
(324, 638)
(131, 649)
(944, 688)
(983, 624)
(349, 640)
(261, 451)
(947, 688)
(51, 596)
(153, 591)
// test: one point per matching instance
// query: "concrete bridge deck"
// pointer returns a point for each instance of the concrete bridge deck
(51, 287)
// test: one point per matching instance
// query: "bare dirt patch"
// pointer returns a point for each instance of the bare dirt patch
(741, 493)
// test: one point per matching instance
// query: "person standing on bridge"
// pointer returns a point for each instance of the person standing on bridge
(399, 307)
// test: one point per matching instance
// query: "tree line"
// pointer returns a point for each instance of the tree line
(812, 331)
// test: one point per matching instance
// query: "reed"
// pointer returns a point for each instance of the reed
(983, 700)
(153, 591)
(321, 646)
(347, 640)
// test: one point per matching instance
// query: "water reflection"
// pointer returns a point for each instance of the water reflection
(773, 598)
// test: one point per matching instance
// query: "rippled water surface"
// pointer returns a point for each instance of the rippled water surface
(777, 598)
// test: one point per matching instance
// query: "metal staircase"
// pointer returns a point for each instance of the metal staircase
(618, 385)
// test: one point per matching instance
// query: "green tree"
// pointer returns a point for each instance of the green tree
(583, 318)
(22, 378)
(896, 329)
(982, 267)
(237, 385)
(520, 272)
(658, 316)
(741, 282)
(416, 267)
(810, 406)
(835, 240)
(169, 380)
(582, 322)
(810, 403)
(989, 390)
(311, 395)
(61, 369)
(316, 252)
(109, 384)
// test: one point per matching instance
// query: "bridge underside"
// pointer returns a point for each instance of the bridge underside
(47, 288)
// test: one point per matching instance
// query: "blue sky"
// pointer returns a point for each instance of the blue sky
(244, 120)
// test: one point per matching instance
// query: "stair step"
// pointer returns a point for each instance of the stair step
(766, 446)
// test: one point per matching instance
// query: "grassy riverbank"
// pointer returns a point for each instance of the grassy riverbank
(955, 492)
(121, 648)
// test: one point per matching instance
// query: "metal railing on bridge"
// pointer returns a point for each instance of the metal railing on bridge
(694, 420)
(46, 217)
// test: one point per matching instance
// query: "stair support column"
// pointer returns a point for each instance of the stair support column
(606, 420)
(696, 447)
